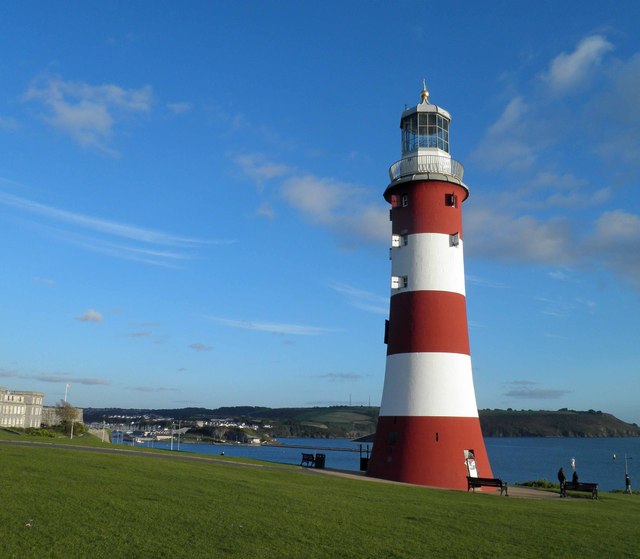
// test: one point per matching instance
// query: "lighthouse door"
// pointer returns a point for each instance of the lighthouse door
(470, 461)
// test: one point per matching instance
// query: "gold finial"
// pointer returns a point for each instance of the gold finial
(424, 94)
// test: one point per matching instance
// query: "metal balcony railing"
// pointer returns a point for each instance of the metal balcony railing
(426, 164)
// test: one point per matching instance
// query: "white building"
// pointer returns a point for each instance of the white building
(20, 408)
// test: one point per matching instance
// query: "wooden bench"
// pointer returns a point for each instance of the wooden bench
(308, 460)
(473, 482)
(580, 486)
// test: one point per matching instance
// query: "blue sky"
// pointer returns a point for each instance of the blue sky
(191, 197)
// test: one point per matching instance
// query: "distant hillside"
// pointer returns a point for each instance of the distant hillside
(357, 421)
(561, 423)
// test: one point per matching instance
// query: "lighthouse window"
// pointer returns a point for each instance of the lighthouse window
(399, 282)
(425, 130)
(399, 240)
(451, 200)
(454, 240)
(405, 200)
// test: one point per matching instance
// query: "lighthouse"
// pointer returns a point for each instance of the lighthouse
(428, 431)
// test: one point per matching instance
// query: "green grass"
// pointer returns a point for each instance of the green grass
(84, 504)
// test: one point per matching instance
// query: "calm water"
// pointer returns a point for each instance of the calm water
(512, 459)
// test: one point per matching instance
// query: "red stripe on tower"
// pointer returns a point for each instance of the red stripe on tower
(428, 431)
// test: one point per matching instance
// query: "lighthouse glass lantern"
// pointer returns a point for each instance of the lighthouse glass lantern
(428, 431)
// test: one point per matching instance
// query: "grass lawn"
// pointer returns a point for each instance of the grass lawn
(70, 503)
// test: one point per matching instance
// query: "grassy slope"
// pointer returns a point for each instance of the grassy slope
(88, 505)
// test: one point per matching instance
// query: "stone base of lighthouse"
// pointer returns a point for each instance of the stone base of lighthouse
(428, 450)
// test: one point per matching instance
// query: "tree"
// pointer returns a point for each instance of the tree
(67, 416)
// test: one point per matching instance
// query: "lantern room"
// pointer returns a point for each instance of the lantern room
(425, 128)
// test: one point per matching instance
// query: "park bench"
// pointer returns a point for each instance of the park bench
(308, 460)
(580, 486)
(473, 482)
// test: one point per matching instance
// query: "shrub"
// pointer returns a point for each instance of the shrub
(540, 483)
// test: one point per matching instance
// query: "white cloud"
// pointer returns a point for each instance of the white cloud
(87, 112)
(273, 327)
(615, 244)
(489, 232)
(341, 207)
(570, 70)
(90, 316)
(507, 143)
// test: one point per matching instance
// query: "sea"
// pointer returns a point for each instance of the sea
(518, 459)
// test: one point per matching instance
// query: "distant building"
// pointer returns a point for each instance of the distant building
(20, 408)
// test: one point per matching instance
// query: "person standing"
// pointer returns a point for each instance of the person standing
(562, 479)
(574, 479)
(627, 484)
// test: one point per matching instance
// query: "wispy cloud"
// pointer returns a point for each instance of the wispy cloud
(138, 334)
(69, 378)
(87, 112)
(482, 282)
(362, 299)
(90, 316)
(151, 389)
(55, 378)
(273, 327)
(112, 228)
(528, 390)
(180, 107)
(109, 237)
(259, 167)
(341, 377)
(8, 123)
(200, 347)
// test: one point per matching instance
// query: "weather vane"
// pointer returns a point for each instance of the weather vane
(424, 94)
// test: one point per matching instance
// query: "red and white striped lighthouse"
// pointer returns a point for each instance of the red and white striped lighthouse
(428, 431)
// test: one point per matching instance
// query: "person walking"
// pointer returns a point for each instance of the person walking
(562, 479)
